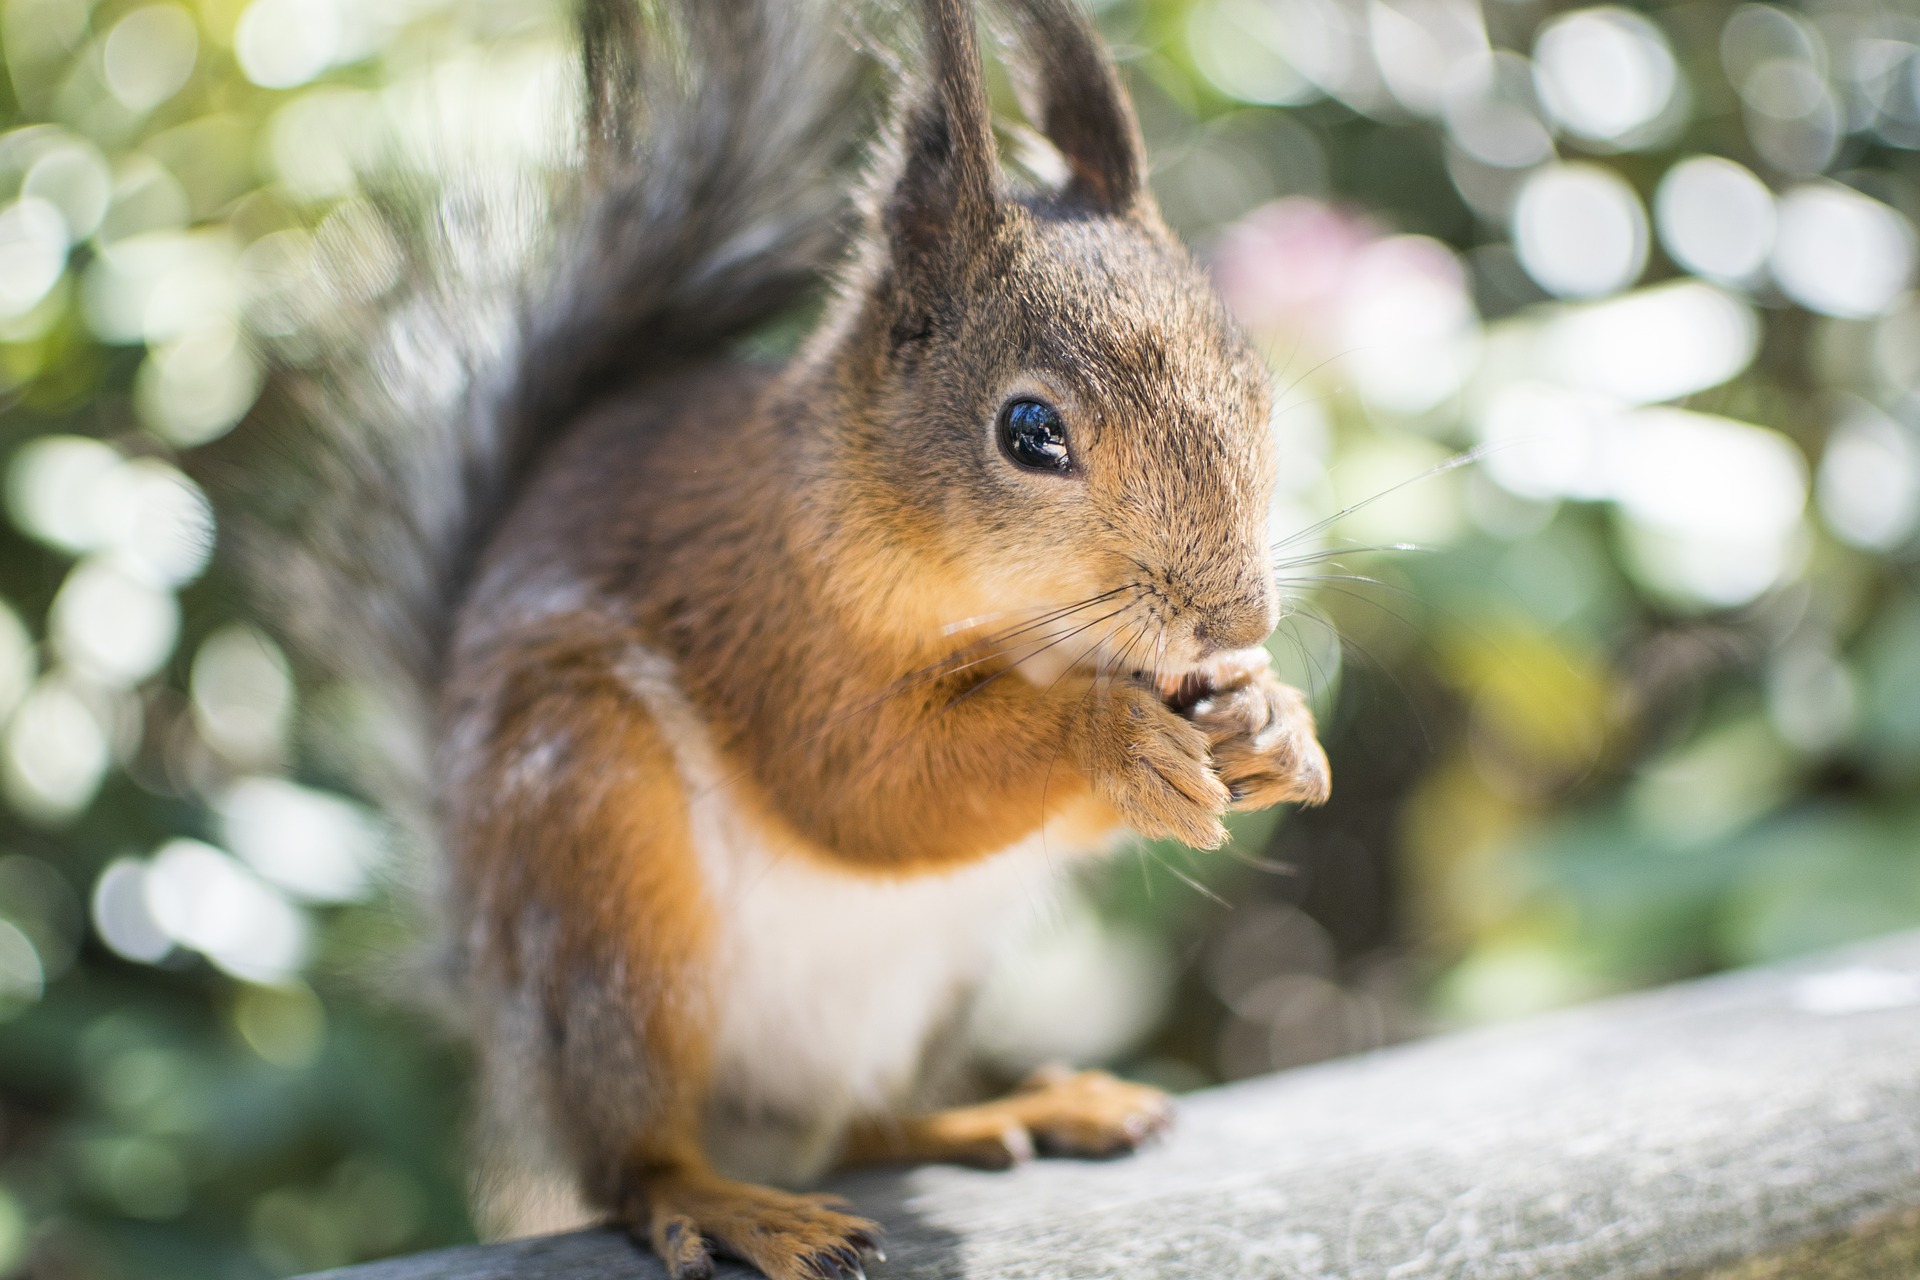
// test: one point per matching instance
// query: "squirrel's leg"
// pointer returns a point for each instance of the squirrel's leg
(1054, 1112)
(579, 866)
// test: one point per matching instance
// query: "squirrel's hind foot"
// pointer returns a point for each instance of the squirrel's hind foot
(1088, 1114)
(1054, 1112)
(688, 1217)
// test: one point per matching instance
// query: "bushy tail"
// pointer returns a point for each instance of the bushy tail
(715, 186)
(707, 196)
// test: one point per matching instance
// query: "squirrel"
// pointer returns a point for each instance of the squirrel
(761, 695)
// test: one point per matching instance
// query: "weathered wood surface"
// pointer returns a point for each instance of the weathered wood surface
(1756, 1126)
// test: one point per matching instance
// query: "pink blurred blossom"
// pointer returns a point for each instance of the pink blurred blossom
(1284, 266)
(1393, 313)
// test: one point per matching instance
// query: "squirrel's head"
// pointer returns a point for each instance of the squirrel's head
(1044, 395)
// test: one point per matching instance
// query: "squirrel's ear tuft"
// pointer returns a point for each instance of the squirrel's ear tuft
(948, 173)
(1073, 94)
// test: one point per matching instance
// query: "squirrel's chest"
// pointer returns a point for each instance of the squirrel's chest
(829, 986)
(829, 989)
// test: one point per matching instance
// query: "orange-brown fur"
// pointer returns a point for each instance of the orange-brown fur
(829, 556)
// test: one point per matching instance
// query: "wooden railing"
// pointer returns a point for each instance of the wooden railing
(1756, 1126)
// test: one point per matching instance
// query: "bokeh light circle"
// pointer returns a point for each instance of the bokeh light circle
(1653, 344)
(1496, 118)
(73, 178)
(1868, 485)
(1579, 230)
(57, 752)
(1240, 46)
(149, 54)
(284, 43)
(110, 625)
(1840, 252)
(1715, 218)
(33, 253)
(1605, 74)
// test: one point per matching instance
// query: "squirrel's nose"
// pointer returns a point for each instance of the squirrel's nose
(1240, 625)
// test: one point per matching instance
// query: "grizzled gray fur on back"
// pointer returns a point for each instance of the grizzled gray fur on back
(706, 194)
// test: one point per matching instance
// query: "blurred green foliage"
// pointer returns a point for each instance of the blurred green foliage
(1642, 699)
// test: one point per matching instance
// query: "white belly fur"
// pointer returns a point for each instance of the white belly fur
(828, 984)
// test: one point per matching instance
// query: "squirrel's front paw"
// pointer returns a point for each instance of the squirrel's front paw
(1261, 736)
(1153, 766)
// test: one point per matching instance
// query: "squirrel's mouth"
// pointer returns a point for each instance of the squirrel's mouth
(1184, 688)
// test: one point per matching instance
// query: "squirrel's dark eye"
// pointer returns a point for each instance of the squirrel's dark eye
(1033, 435)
